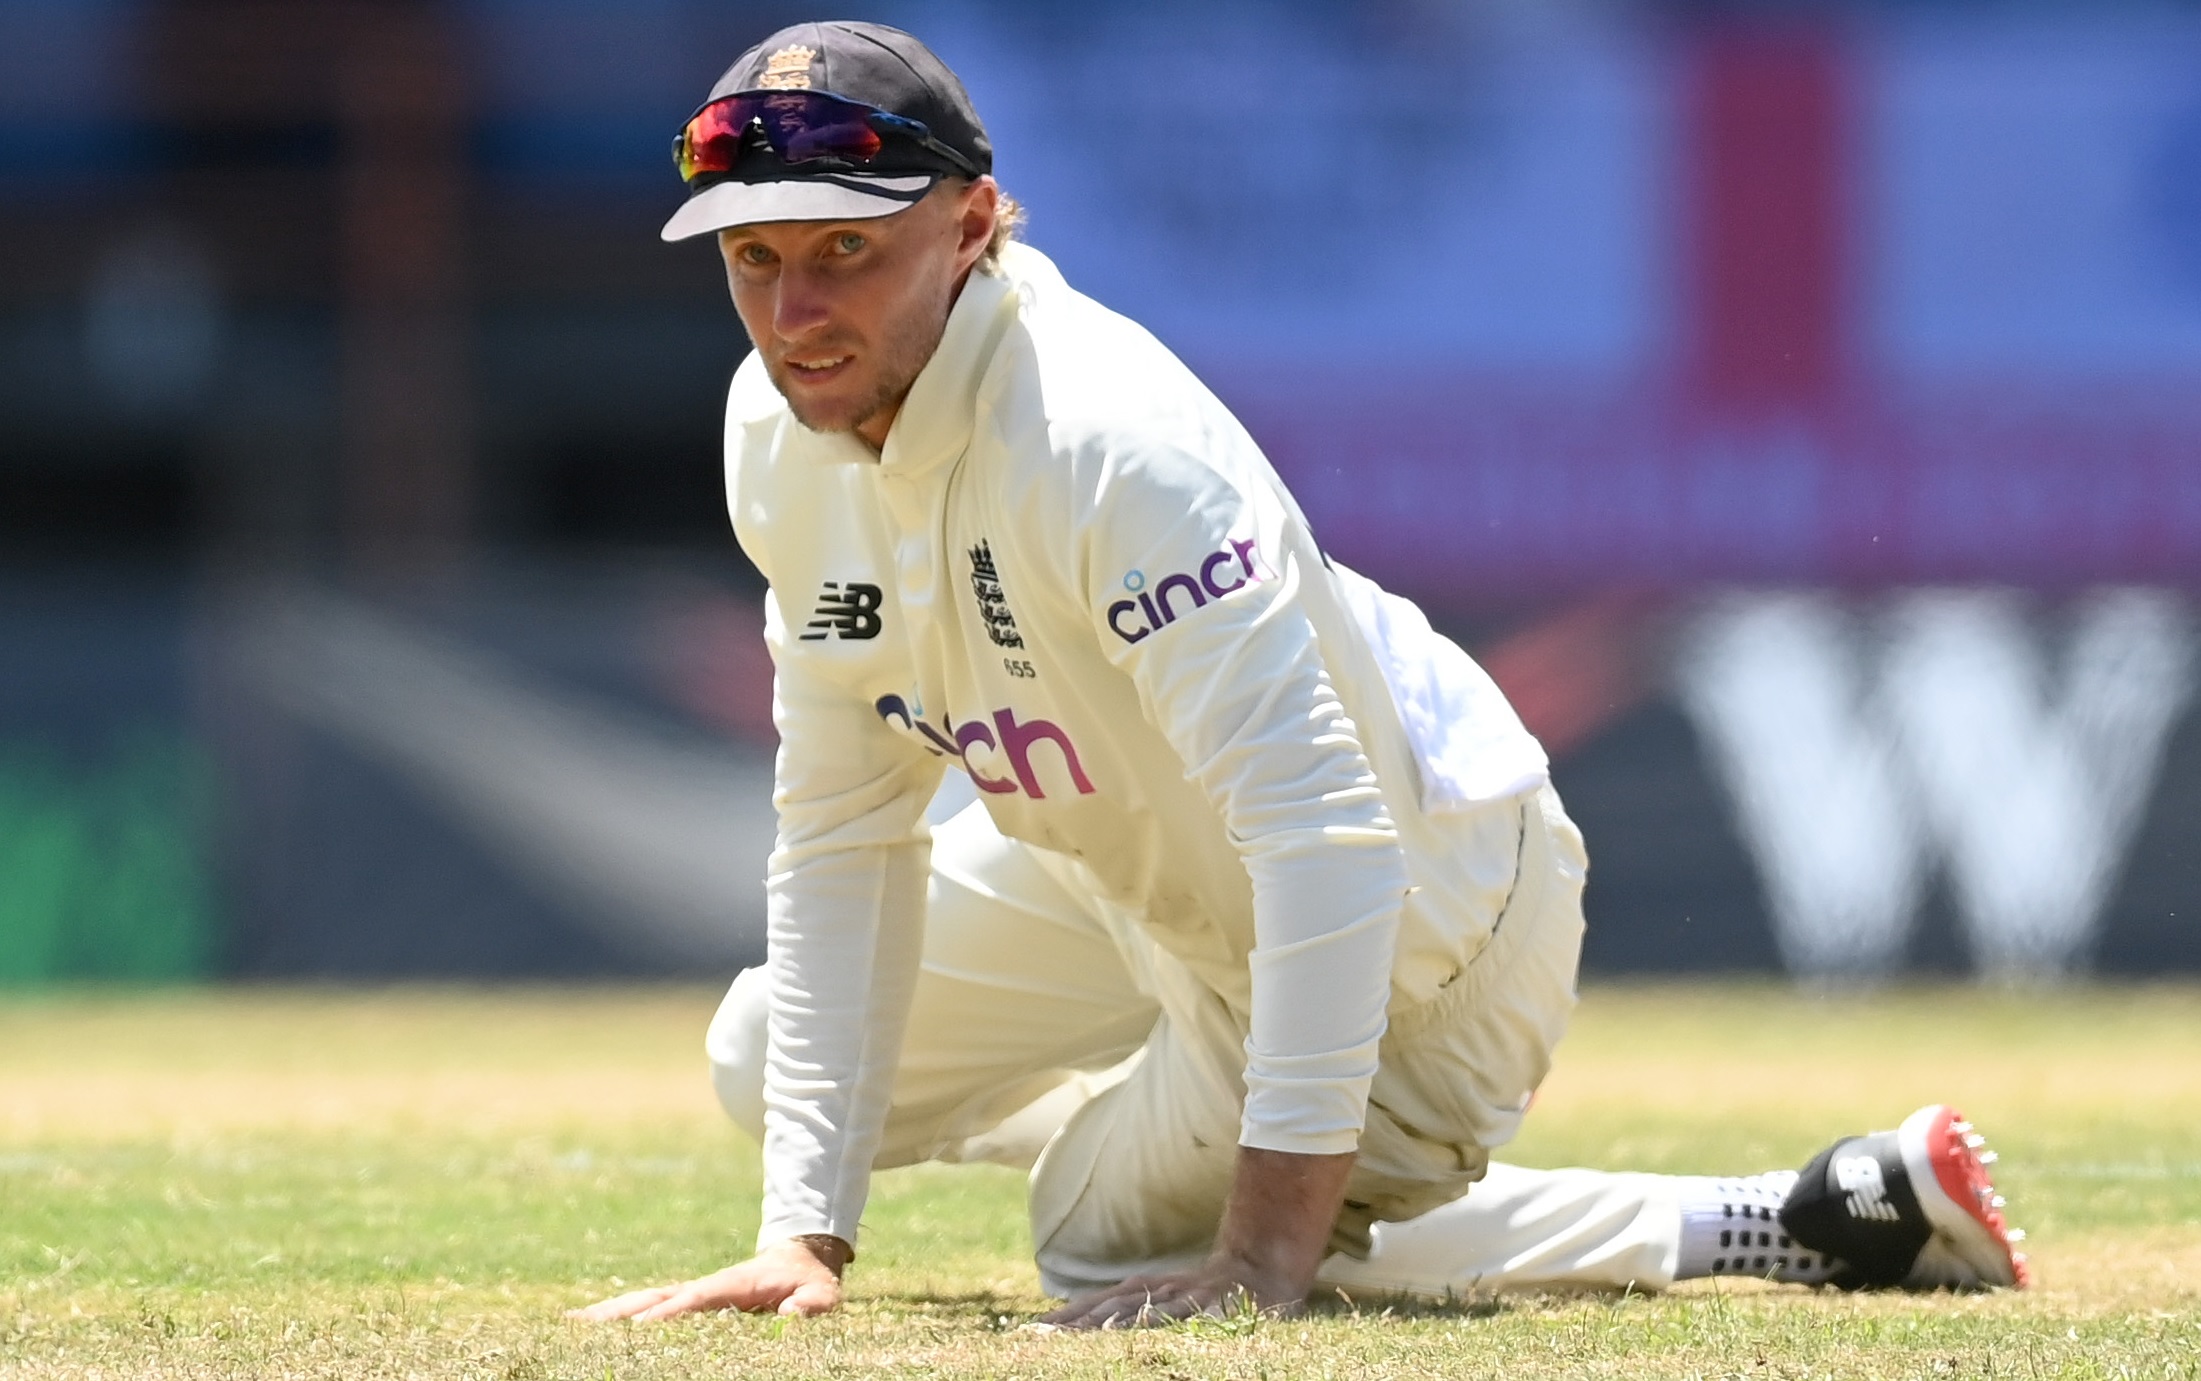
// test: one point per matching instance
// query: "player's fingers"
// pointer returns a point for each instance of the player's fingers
(1170, 1308)
(1071, 1315)
(622, 1306)
(808, 1301)
(1146, 1311)
(1125, 1307)
(1066, 1315)
(685, 1300)
(1087, 1311)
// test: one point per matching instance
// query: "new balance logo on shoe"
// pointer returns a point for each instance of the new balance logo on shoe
(1912, 1207)
(848, 612)
(1867, 1188)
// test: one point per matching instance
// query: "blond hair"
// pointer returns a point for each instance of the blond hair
(1008, 220)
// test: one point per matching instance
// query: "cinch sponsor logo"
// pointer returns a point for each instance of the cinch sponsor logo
(1152, 610)
(1003, 735)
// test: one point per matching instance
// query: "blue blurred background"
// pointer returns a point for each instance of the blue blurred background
(1797, 406)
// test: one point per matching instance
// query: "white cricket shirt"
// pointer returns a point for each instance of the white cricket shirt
(1073, 575)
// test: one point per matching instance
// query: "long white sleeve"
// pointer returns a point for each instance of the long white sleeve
(1235, 681)
(845, 899)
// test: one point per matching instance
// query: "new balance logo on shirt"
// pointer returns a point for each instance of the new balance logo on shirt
(848, 612)
(1867, 1189)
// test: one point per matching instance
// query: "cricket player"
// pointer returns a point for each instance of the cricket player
(1264, 923)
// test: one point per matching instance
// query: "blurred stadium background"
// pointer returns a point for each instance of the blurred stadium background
(1797, 406)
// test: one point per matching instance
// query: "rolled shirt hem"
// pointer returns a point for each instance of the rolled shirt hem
(1339, 1143)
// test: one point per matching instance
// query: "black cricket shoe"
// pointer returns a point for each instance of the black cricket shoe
(1911, 1208)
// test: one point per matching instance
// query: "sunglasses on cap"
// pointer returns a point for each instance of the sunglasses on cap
(801, 127)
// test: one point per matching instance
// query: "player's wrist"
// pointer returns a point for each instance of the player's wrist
(831, 1252)
(1276, 1227)
(1275, 1262)
(1271, 1284)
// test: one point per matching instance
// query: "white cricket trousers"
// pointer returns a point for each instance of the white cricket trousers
(1050, 1034)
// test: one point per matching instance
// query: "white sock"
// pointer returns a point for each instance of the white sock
(1732, 1226)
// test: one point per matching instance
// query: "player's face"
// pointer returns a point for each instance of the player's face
(845, 313)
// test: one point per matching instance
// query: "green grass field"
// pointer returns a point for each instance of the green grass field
(416, 1183)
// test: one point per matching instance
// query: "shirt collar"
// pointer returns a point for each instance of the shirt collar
(935, 422)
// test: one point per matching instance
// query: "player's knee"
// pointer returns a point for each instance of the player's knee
(735, 1044)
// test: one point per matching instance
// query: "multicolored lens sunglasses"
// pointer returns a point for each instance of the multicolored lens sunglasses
(801, 127)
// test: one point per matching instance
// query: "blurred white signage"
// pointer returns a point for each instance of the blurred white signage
(1861, 747)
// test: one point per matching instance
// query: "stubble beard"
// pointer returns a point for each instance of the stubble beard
(901, 358)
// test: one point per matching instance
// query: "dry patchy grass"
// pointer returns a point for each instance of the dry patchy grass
(415, 1183)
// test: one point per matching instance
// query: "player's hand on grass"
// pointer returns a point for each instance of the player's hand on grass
(1274, 1233)
(800, 1276)
(1217, 1288)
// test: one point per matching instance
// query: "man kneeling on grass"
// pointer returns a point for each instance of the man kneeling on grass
(1264, 923)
